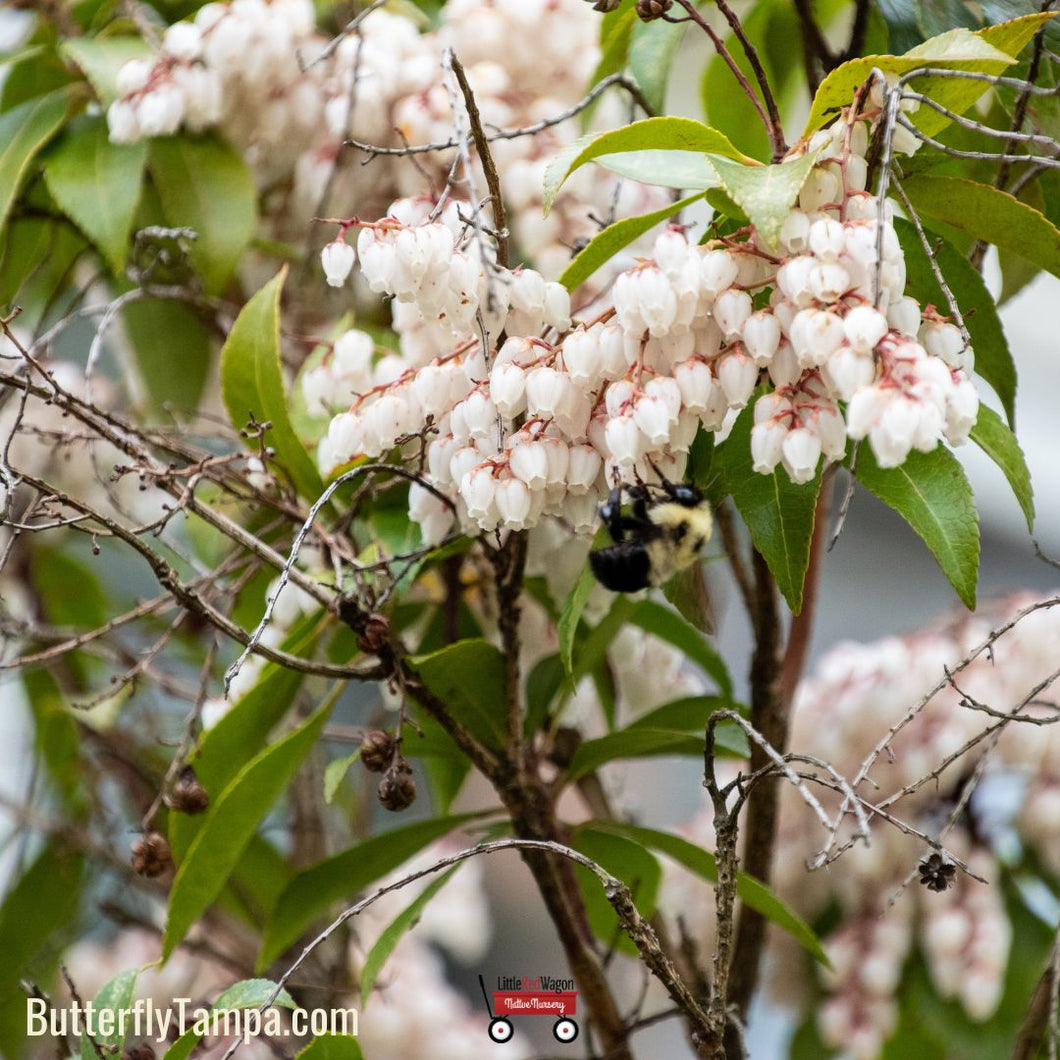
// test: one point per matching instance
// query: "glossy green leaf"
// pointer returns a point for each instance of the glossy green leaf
(115, 997)
(663, 622)
(468, 677)
(336, 769)
(396, 930)
(571, 615)
(658, 134)
(750, 891)
(663, 169)
(331, 1047)
(172, 350)
(993, 360)
(986, 213)
(97, 184)
(247, 994)
(764, 193)
(643, 742)
(252, 383)
(930, 491)
(994, 437)
(231, 822)
(626, 859)
(607, 243)
(651, 56)
(204, 184)
(988, 51)
(100, 59)
(23, 132)
(778, 513)
(313, 892)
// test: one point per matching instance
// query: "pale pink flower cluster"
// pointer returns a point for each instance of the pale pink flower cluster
(544, 425)
(249, 67)
(247, 49)
(857, 693)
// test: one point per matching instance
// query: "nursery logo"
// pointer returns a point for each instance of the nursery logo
(528, 995)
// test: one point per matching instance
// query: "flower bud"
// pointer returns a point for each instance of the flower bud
(337, 259)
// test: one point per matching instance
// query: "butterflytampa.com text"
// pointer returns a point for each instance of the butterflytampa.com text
(146, 1020)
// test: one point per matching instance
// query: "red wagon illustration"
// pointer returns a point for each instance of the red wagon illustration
(561, 1004)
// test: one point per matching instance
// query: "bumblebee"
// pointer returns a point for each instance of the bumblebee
(666, 526)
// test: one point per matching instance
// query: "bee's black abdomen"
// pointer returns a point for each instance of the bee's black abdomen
(624, 567)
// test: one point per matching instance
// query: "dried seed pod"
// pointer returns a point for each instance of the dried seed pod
(397, 789)
(649, 10)
(936, 874)
(374, 635)
(377, 751)
(151, 855)
(187, 794)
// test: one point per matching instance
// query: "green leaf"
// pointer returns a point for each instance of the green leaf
(230, 823)
(993, 360)
(651, 55)
(100, 58)
(988, 51)
(616, 32)
(771, 26)
(687, 714)
(665, 623)
(993, 436)
(607, 243)
(395, 931)
(542, 685)
(779, 514)
(97, 184)
(252, 383)
(643, 742)
(116, 997)
(930, 492)
(627, 859)
(468, 677)
(247, 994)
(663, 169)
(23, 132)
(312, 893)
(172, 351)
(331, 1047)
(204, 184)
(750, 891)
(764, 193)
(571, 615)
(34, 919)
(336, 769)
(659, 134)
(986, 213)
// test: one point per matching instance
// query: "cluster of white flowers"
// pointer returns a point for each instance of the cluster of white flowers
(856, 695)
(557, 412)
(257, 70)
(228, 53)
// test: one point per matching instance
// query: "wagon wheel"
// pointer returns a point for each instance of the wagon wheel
(501, 1030)
(565, 1030)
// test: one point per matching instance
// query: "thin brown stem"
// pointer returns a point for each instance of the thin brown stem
(489, 168)
(769, 718)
